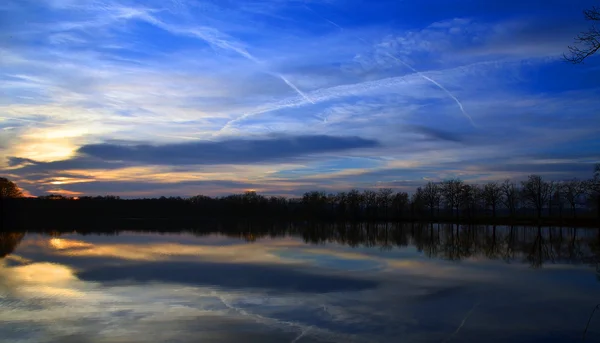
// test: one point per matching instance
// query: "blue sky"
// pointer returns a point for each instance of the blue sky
(186, 97)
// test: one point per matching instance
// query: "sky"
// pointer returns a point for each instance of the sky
(180, 97)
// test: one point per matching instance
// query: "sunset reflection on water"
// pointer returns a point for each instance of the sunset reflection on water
(139, 287)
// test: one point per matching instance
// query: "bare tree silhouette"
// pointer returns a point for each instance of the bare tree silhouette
(432, 197)
(451, 190)
(552, 188)
(417, 203)
(572, 191)
(400, 203)
(469, 199)
(536, 192)
(510, 196)
(587, 42)
(594, 188)
(492, 194)
(384, 200)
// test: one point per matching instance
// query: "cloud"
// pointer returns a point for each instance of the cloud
(180, 169)
(23, 165)
(230, 151)
(472, 39)
(529, 38)
(436, 134)
(281, 279)
(215, 38)
(559, 168)
(165, 187)
(327, 94)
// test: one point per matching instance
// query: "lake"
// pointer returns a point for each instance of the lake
(314, 283)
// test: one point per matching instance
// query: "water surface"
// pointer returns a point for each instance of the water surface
(341, 283)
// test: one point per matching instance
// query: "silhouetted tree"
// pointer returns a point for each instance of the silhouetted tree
(536, 193)
(355, 200)
(593, 187)
(587, 42)
(432, 197)
(315, 202)
(510, 196)
(417, 203)
(552, 190)
(400, 203)
(342, 201)
(370, 199)
(492, 194)
(332, 201)
(469, 196)
(558, 198)
(55, 197)
(9, 189)
(572, 191)
(451, 191)
(200, 199)
(384, 200)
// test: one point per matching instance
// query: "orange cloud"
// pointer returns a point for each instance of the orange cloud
(240, 253)
(26, 193)
(63, 192)
(66, 180)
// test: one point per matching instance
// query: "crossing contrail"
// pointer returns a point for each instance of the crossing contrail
(425, 77)
(211, 36)
(321, 95)
(296, 89)
(460, 105)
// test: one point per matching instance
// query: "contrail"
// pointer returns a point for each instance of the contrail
(244, 53)
(327, 20)
(320, 95)
(212, 39)
(461, 323)
(444, 89)
(438, 85)
(295, 88)
(337, 91)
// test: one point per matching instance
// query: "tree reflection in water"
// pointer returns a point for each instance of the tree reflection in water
(9, 242)
(534, 245)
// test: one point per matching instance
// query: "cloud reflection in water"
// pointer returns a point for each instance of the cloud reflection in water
(184, 288)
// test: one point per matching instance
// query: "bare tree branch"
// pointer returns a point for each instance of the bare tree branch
(587, 42)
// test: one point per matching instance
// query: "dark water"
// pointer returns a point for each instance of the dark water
(323, 284)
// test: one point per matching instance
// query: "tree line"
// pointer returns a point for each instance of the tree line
(455, 199)
(533, 200)
(533, 245)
